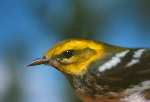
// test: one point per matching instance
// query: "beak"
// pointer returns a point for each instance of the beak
(39, 61)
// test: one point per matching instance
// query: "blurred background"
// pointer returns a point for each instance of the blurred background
(28, 28)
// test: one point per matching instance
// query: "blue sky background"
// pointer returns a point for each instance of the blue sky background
(24, 36)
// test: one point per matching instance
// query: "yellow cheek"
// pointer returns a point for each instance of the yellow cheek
(80, 67)
(71, 60)
(75, 69)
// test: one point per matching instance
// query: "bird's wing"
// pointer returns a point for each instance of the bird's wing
(135, 67)
(121, 72)
(124, 69)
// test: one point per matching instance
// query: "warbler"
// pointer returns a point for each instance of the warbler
(101, 72)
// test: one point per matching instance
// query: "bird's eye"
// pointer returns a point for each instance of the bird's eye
(68, 53)
(65, 55)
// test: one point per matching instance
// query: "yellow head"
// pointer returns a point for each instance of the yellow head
(73, 56)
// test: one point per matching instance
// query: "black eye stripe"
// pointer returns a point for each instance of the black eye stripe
(68, 53)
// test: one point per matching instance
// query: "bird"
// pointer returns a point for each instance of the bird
(101, 72)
